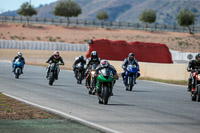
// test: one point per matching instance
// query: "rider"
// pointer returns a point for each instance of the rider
(130, 61)
(94, 59)
(19, 55)
(78, 60)
(55, 58)
(191, 66)
(105, 64)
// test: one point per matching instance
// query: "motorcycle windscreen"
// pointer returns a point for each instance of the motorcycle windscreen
(132, 68)
(106, 72)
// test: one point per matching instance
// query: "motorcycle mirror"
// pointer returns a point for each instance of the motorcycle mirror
(189, 56)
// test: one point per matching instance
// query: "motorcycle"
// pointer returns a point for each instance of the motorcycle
(18, 64)
(130, 77)
(105, 83)
(90, 79)
(53, 72)
(195, 92)
(79, 72)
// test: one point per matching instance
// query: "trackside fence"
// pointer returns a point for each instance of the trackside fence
(96, 23)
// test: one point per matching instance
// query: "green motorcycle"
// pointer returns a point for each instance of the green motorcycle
(104, 85)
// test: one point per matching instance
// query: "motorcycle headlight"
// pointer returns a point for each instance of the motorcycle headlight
(92, 72)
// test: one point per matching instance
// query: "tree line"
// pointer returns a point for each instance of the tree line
(69, 8)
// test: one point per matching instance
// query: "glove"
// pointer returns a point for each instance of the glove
(47, 62)
(189, 70)
(116, 77)
(96, 75)
(61, 63)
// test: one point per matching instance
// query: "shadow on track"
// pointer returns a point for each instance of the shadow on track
(120, 104)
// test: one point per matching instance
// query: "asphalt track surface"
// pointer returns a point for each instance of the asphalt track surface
(151, 107)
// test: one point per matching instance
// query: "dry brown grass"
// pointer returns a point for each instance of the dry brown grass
(177, 41)
(11, 109)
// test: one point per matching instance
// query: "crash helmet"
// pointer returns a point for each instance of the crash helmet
(56, 54)
(197, 57)
(19, 54)
(105, 63)
(81, 57)
(94, 55)
(131, 56)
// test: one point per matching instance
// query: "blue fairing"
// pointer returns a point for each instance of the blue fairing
(131, 72)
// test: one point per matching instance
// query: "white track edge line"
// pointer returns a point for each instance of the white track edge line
(79, 120)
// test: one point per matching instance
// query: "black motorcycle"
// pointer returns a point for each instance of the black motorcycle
(53, 72)
(79, 72)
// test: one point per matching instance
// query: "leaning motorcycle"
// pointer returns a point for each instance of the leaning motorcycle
(53, 72)
(18, 64)
(79, 72)
(90, 79)
(195, 92)
(104, 85)
(130, 77)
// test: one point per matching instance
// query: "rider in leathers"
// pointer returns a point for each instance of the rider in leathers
(193, 64)
(94, 59)
(19, 55)
(105, 64)
(130, 60)
(55, 58)
(78, 60)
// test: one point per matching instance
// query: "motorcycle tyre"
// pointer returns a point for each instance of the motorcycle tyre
(131, 84)
(105, 95)
(51, 78)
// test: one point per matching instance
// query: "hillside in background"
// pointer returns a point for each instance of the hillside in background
(127, 10)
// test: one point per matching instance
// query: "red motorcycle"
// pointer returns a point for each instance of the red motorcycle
(90, 79)
(195, 92)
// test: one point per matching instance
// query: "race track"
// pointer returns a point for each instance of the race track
(152, 107)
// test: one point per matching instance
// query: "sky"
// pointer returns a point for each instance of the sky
(6, 5)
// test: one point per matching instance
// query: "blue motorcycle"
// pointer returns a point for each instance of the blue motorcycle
(18, 65)
(130, 77)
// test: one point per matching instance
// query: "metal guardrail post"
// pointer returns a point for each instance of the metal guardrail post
(93, 22)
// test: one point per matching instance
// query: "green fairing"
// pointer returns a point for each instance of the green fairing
(101, 78)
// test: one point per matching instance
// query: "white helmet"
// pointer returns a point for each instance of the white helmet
(19, 54)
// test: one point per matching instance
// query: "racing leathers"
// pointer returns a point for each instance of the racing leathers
(90, 62)
(53, 60)
(193, 64)
(111, 68)
(78, 60)
(14, 66)
(129, 62)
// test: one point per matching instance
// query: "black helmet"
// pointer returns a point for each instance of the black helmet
(94, 55)
(81, 57)
(197, 57)
(131, 56)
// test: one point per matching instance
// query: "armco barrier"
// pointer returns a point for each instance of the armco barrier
(39, 45)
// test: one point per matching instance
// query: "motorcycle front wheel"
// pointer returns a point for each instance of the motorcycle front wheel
(51, 78)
